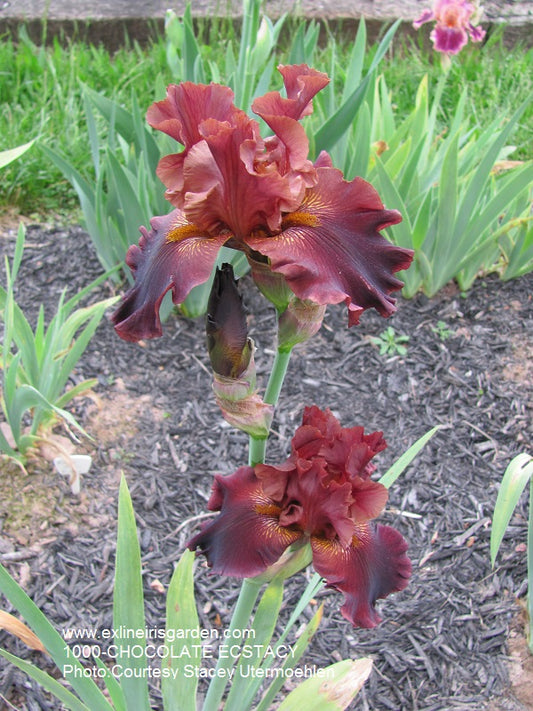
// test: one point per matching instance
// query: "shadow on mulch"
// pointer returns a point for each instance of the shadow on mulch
(443, 641)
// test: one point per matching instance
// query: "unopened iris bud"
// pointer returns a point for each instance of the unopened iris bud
(271, 284)
(299, 321)
(231, 354)
(228, 344)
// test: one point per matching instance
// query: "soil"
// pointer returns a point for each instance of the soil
(454, 639)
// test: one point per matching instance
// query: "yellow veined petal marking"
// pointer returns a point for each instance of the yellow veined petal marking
(299, 219)
(181, 232)
(267, 509)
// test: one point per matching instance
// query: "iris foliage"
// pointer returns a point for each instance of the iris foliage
(37, 364)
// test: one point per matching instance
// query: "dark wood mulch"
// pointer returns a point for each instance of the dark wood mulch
(442, 643)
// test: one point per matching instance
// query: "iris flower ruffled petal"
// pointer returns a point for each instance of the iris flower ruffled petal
(372, 567)
(175, 255)
(330, 249)
(246, 537)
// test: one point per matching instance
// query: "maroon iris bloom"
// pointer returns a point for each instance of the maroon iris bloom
(263, 196)
(322, 495)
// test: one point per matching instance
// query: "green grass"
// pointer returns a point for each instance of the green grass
(40, 98)
(497, 79)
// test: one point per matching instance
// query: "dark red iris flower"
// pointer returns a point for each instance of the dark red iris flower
(263, 196)
(322, 495)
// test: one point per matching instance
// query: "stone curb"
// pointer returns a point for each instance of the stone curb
(109, 21)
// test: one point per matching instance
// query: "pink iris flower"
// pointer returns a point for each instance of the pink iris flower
(322, 495)
(263, 196)
(453, 25)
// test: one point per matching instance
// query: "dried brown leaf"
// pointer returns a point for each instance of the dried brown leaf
(14, 626)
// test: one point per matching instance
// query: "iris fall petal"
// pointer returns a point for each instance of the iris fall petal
(330, 250)
(246, 536)
(174, 255)
(372, 567)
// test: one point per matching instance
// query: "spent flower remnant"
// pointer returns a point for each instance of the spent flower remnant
(299, 220)
(454, 22)
(322, 495)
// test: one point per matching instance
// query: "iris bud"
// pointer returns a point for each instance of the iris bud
(299, 321)
(231, 355)
(229, 347)
(271, 284)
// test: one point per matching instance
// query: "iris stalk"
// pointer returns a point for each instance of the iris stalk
(530, 566)
(250, 587)
(257, 445)
(240, 620)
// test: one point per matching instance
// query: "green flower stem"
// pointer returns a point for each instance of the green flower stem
(530, 566)
(277, 376)
(250, 587)
(257, 446)
(240, 621)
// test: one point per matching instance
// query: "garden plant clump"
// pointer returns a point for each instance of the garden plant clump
(449, 377)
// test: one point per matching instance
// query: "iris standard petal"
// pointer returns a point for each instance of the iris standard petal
(372, 567)
(175, 255)
(370, 498)
(324, 420)
(362, 449)
(347, 450)
(302, 83)
(170, 173)
(330, 249)
(223, 188)
(426, 16)
(186, 105)
(289, 147)
(246, 537)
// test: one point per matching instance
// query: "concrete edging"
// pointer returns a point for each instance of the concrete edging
(110, 21)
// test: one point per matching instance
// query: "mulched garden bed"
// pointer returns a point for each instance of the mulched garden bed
(443, 642)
